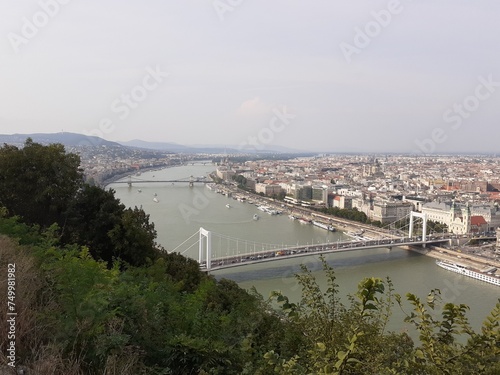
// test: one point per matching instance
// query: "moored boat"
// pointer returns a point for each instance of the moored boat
(466, 271)
(328, 227)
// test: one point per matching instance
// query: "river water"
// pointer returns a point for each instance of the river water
(181, 211)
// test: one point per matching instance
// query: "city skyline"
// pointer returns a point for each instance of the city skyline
(393, 76)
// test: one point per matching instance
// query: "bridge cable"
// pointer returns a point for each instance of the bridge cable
(197, 232)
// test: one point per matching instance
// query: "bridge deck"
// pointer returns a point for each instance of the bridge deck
(159, 181)
(302, 251)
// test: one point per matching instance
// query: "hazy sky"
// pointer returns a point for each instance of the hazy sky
(324, 75)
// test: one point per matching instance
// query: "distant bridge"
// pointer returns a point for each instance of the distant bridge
(197, 162)
(189, 180)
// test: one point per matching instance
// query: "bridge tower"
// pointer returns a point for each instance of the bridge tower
(205, 237)
(129, 181)
(423, 216)
(191, 181)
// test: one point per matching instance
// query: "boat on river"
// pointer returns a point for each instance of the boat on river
(328, 227)
(466, 271)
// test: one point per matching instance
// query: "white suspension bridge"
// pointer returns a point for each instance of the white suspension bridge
(218, 251)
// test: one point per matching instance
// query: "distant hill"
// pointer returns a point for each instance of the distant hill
(67, 139)
(166, 146)
(75, 139)
(209, 149)
(175, 147)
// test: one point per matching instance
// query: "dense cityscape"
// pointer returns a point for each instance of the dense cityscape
(459, 193)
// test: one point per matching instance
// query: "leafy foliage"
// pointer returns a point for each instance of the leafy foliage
(442, 349)
(43, 185)
(346, 213)
(37, 182)
(94, 319)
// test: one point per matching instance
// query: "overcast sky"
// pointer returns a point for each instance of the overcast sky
(325, 75)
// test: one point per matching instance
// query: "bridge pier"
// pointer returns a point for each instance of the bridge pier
(423, 216)
(205, 234)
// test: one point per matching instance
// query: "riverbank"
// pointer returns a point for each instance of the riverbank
(341, 224)
(442, 253)
(353, 227)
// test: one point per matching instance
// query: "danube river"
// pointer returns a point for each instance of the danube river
(180, 211)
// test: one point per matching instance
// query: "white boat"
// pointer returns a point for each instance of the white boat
(256, 217)
(139, 190)
(304, 221)
(319, 224)
(228, 206)
(155, 200)
(291, 217)
(463, 270)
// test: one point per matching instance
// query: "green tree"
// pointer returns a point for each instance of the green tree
(337, 339)
(98, 220)
(37, 182)
(443, 348)
(133, 238)
(240, 179)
